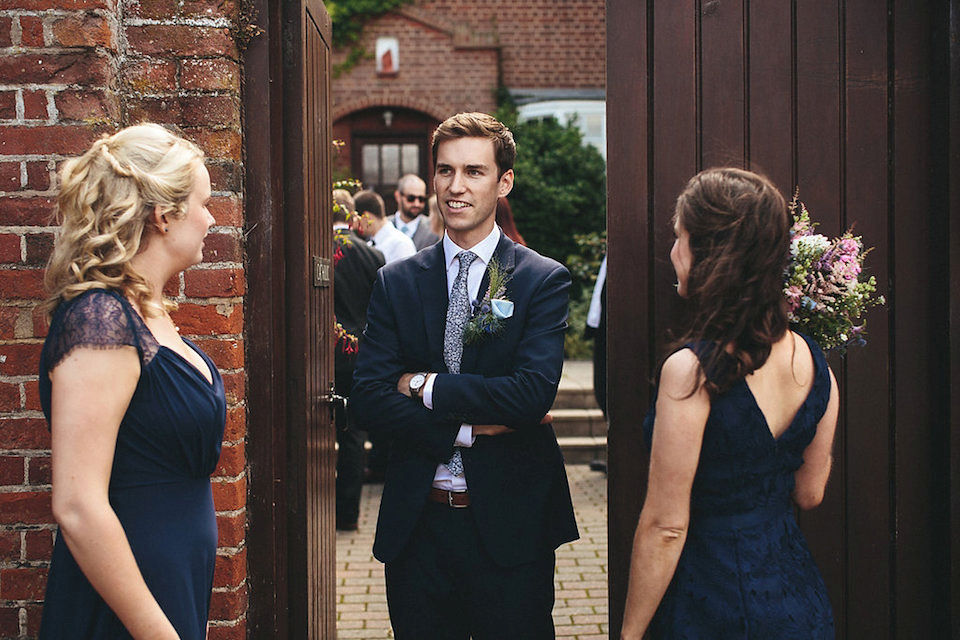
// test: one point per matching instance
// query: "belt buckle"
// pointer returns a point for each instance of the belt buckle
(450, 501)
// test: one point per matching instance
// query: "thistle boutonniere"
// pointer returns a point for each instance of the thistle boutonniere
(488, 313)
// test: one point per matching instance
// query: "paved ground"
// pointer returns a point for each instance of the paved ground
(581, 579)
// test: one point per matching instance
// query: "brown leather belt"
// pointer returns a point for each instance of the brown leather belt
(456, 499)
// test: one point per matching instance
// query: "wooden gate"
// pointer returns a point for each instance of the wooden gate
(849, 100)
(289, 324)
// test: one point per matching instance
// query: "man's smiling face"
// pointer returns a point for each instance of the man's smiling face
(467, 188)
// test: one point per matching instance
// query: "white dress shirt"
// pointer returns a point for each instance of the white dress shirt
(408, 228)
(484, 249)
(393, 243)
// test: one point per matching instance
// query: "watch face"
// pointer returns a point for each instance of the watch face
(417, 381)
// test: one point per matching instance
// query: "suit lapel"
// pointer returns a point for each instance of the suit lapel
(432, 291)
(505, 257)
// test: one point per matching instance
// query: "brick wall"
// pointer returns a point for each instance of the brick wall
(452, 53)
(69, 71)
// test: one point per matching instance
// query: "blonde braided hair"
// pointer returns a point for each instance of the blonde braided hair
(107, 197)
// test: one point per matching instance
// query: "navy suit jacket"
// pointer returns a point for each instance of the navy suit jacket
(518, 486)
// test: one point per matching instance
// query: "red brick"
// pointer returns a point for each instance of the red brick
(212, 319)
(39, 248)
(147, 75)
(21, 284)
(228, 605)
(34, 613)
(8, 102)
(236, 631)
(9, 548)
(219, 144)
(8, 322)
(6, 33)
(29, 211)
(24, 433)
(31, 31)
(46, 140)
(39, 470)
(231, 570)
(234, 385)
(162, 9)
(22, 584)
(230, 495)
(211, 111)
(236, 427)
(9, 247)
(209, 8)
(27, 507)
(222, 247)
(181, 40)
(35, 105)
(32, 388)
(232, 529)
(210, 74)
(210, 283)
(9, 397)
(228, 210)
(232, 460)
(11, 470)
(164, 110)
(83, 30)
(40, 324)
(9, 176)
(62, 5)
(38, 176)
(39, 544)
(9, 621)
(81, 105)
(226, 176)
(87, 68)
(22, 359)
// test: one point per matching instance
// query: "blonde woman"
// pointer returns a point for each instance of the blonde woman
(136, 412)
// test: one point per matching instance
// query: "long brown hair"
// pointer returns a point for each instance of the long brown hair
(740, 240)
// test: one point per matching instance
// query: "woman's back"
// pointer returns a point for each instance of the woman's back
(745, 570)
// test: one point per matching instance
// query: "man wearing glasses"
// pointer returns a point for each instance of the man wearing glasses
(411, 195)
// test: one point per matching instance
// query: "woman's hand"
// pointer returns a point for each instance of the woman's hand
(92, 389)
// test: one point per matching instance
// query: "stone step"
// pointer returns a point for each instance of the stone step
(575, 398)
(578, 423)
(583, 450)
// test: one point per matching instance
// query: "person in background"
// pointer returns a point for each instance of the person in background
(436, 220)
(505, 221)
(371, 224)
(476, 499)
(355, 266)
(411, 218)
(596, 330)
(136, 411)
(741, 432)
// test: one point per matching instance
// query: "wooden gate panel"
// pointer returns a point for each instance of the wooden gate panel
(722, 77)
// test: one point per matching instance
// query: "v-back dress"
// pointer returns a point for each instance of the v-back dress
(167, 447)
(745, 570)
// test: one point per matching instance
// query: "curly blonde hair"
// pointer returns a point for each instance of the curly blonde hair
(107, 197)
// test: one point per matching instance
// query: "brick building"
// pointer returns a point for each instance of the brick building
(71, 70)
(433, 58)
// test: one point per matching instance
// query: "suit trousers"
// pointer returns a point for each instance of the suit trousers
(445, 586)
(349, 484)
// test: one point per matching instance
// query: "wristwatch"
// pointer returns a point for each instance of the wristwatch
(416, 385)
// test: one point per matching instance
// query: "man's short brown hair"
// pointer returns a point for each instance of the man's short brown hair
(479, 125)
(368, 201)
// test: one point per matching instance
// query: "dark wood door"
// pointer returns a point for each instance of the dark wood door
(289, 324)
(847, 100)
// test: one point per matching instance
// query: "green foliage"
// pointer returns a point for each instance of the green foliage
(349, 16)
(560, 188)
(575, 346)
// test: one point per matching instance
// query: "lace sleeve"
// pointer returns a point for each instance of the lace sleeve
(95, 319)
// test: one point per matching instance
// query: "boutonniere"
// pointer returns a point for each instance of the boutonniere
(489, 313)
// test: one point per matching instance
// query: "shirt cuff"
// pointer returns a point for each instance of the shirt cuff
(465, 436)
(428, 391)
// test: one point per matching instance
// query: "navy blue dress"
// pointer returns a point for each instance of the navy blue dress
(168, 445)
(745, 570)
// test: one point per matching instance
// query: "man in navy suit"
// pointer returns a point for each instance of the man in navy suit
(475, 500)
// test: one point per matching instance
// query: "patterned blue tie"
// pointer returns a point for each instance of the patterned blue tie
(458, 311)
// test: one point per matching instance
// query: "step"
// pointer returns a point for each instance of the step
(583, 450)
(579, 423)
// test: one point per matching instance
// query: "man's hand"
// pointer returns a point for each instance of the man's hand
(403, 384)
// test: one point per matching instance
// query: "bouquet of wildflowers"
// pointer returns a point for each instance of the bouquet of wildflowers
(823, 287)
